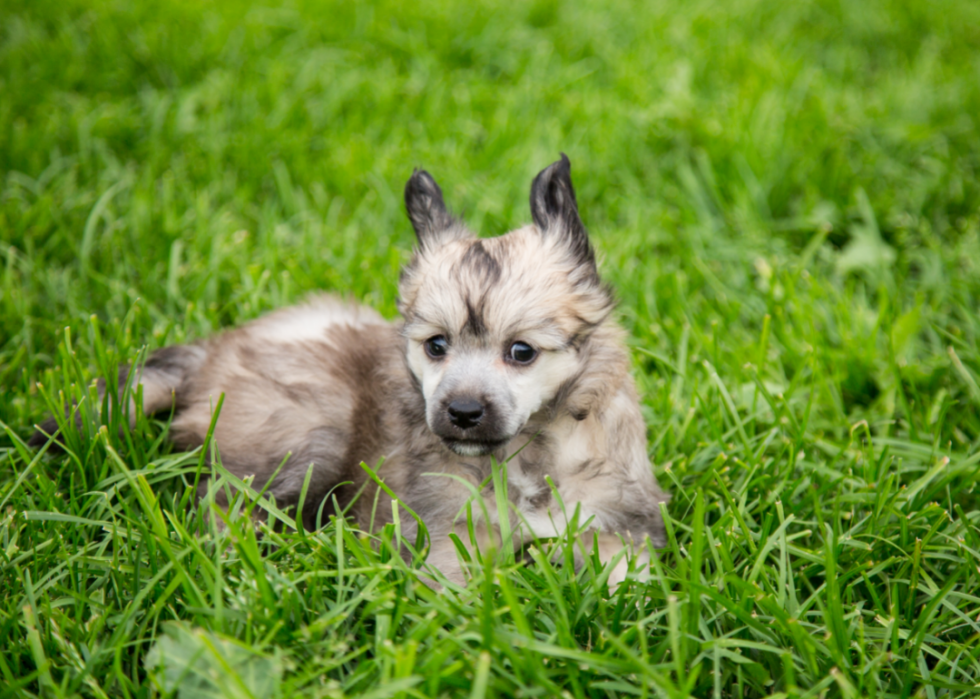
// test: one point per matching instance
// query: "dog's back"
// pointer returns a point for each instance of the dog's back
(308, 382)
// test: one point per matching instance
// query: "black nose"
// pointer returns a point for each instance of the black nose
(465, 413)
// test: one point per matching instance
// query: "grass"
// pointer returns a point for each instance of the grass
(785, 196)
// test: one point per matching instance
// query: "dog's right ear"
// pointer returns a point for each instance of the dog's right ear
(555, 211)
(427, 210)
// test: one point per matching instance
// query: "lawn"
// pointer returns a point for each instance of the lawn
(785, 196)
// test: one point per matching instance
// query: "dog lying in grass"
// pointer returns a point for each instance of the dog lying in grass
(507, 351)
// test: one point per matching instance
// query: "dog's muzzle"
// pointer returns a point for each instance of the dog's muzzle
(469, 426)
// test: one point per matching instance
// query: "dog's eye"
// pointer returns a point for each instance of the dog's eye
(522, 353)
(436, 347)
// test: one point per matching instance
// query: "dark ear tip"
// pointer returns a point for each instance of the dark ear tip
(421, 182)
(559, 170)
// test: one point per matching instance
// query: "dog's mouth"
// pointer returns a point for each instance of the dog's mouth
(472, 447)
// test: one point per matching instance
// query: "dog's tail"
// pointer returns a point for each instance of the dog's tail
(161, 378)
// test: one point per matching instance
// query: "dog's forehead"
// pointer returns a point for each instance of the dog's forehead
(494, 288)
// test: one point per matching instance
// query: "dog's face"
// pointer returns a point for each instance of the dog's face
(495, 327)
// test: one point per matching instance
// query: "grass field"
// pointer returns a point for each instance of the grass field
(786, 197)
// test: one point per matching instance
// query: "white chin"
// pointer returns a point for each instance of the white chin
(470, 448)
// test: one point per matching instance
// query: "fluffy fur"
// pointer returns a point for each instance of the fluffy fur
(442, 391)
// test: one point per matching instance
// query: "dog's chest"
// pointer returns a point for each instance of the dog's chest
(552, 481)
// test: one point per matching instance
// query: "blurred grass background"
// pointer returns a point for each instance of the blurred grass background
(785, 197)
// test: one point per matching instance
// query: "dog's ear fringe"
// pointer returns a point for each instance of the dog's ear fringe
(554, 209)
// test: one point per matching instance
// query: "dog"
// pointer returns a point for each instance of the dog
(507, 350)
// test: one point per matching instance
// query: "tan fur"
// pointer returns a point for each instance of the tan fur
(335, 385)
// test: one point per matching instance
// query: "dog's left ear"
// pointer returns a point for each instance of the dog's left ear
(555, 211)
(427, 210)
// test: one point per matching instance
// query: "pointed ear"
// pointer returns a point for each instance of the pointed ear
(426, 209)
(555, 211)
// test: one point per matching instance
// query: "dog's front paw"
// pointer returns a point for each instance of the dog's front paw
(620, 572)
(619, 553)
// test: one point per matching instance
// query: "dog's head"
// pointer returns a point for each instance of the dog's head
(497, 328)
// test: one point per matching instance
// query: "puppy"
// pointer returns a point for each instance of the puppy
(506, 350)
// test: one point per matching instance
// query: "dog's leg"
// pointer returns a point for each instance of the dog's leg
(608, 546)
(445, 557)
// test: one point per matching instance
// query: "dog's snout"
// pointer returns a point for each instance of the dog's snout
(465, 413)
